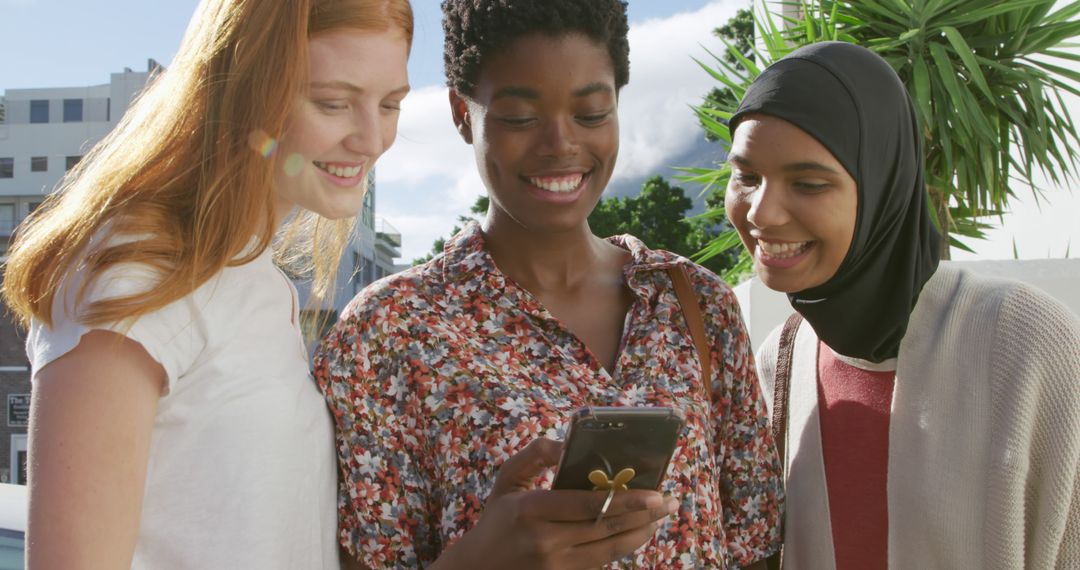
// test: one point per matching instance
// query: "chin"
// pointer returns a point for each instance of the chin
(777, 283)
(340, 207)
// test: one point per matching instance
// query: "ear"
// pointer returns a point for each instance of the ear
(459, 109)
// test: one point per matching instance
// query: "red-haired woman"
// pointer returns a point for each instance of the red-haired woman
(174, 422)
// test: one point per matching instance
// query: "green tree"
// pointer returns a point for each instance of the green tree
(986, 78)
(657, 216)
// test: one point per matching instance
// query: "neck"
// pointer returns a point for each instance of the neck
(539, 262)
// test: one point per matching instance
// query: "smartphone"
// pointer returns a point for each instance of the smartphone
(612, 439)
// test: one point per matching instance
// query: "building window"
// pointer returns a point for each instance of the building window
(369, 272)
(7, 219)
(39, 164)
(7, 167)
(73, 110)
(71, 161)
(367, 214)
(39, 111)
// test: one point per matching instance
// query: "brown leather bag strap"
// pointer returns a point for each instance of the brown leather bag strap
(782, 384)
(781, 388)
(691, 311)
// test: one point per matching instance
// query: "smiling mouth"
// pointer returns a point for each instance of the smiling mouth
(339, 170)
(565, 184)
(788, 250)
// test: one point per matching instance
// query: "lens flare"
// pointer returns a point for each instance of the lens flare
(262, 143)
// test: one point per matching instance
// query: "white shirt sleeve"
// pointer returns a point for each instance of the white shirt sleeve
(173, 335)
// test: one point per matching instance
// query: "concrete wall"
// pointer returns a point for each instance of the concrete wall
(764, 309)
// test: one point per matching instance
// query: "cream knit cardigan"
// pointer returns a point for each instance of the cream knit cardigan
(984, 438)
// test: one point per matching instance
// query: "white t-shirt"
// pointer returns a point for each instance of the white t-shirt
(242, 468)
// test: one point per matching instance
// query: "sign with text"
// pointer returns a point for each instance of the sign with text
(18, 410)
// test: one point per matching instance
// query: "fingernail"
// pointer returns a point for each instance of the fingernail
(672, 505)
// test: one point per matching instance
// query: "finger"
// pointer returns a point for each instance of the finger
(618, 524)
(520, 471)
(614, 547)
(572, 506)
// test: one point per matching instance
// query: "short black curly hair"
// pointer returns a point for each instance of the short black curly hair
(476, 29)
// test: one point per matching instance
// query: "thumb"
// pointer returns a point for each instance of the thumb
(519, 472)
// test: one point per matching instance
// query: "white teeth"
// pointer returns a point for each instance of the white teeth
(561, 184)
(782, 250)
(340, 171)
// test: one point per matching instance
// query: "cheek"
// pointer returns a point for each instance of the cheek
(735, 207)
(606, 141)
(389, 133)
(302, 137)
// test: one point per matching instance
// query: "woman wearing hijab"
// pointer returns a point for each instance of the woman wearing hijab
(932, 416)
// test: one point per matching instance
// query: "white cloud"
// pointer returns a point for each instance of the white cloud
(429, 177)
(656, 122)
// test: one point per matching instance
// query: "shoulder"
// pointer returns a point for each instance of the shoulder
(1026, 328)
(996, 303)
(768, 352)
(1031, 323)
(706, 282)
(708, 285)
(385, 312)
(387, 297)
(172, 335)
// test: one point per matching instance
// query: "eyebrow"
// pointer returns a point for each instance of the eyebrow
(530, 93)
(346, 86)
(807, 165)
(597, 87)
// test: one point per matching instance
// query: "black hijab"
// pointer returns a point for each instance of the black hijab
(854, 104)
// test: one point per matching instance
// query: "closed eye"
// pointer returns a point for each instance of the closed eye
(594, 119)
(331, 106)
(747, 180)
(517, 121)
(811, 186)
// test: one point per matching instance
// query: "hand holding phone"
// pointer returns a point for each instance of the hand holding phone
(526, 527)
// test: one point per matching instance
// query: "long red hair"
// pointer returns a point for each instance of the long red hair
(180, 173)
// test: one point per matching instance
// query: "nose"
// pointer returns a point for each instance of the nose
(768, 206)
(365, 135)
(559, 138)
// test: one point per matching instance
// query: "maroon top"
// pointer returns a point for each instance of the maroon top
(855, 406)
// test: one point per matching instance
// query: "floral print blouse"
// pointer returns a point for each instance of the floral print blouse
(437, 375)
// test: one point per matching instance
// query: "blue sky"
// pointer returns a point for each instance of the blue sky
(429, 177)
(63, 43)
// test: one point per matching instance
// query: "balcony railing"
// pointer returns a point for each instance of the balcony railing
(388, 239)
(387, 232)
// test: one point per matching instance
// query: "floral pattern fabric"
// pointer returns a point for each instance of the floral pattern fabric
(437, 375)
